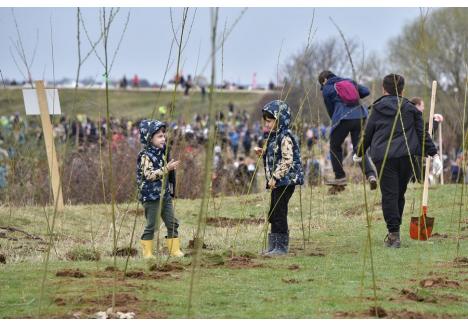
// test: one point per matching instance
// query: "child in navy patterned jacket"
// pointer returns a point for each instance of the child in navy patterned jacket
(283, 171)
(152, 173)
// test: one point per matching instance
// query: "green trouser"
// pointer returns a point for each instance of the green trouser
(152, 218)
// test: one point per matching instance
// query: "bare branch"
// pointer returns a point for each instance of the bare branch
(93, 48)
(172, 27)
(16, 64)
(120, 41)
(35, 48)
(20, 49)
(348, 51)
(231, 28)
(190, 29)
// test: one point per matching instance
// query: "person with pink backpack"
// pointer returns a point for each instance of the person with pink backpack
(342, 97)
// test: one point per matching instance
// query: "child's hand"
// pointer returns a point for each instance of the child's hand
(258, 151)
(172, 165)
(272, 183)
(357, 159)
(438, 117)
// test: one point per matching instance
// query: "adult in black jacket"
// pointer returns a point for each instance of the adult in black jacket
(395, 162)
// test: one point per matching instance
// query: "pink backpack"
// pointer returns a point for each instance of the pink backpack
(347, 92)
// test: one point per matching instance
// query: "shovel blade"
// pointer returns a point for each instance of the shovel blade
(421, 227)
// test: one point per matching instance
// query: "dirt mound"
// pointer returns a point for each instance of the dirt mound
(124, 252)
(135, 274)
(111, 269)
(108, 273)
(315, 253)
(242, 262)
(83, 254)
(233, 253)
(439, 236)
(121, 300)
(294, 267)
(460, 262)
(416, 297)
(228, 222)
(169, 267)
(439, 282)
(60, 302)
(76, 273)
(298, 249)
(379, 312)
(290, 280)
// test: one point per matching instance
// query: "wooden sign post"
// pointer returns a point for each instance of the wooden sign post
(441, 154)
(48, 136)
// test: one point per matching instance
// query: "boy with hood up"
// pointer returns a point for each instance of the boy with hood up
(283, 171)
(395, 166)
(151, 169)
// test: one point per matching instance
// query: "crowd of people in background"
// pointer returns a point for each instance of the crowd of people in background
(236, 136)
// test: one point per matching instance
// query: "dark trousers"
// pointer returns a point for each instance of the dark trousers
(337, 138)
(152, 219)
(278, 214)
(393, 183)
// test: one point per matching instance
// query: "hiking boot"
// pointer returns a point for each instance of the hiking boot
(392, 240)
(337, 182)
(373, 182)
(281, 245)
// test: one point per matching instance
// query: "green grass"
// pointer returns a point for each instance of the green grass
(327, 279)
(132, 104)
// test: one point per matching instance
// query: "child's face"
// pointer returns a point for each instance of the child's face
(159, 139)
(270, 124)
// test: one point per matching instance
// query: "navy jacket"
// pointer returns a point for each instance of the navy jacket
(272, 156)
(150, 190)
(336, 109)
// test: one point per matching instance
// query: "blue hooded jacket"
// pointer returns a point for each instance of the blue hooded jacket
(272, 156)
(336, 109)
(150, 190)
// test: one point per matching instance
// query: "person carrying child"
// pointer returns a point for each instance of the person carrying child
(396, 117)
(283, 171)
(151, 170)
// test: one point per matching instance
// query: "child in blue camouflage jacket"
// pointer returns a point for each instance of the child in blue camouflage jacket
(283, 171)
(151, 170)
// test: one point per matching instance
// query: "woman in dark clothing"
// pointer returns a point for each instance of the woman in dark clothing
(395, 162)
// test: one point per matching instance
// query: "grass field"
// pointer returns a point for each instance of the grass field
(331, 278)
(132, 104)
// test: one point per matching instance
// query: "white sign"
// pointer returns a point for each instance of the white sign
(31, 103)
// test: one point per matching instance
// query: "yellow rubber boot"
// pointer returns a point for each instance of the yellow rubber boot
(147, 246)
(173, 245)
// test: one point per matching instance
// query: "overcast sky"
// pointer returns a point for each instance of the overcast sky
(252, 47)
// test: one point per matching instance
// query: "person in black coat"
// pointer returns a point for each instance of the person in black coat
(395, 116)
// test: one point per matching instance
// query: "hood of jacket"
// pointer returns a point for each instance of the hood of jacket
(148, 128)
(282, 113)
(388, 104)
